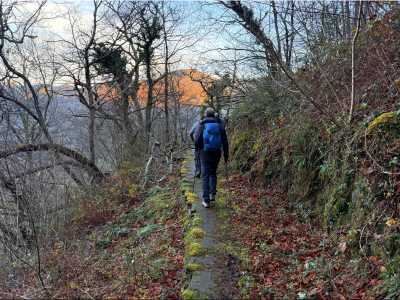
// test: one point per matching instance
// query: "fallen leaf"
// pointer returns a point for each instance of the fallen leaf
(390, 222)
(342, 247)
(313, 292)
(337, 295)
(309, 278)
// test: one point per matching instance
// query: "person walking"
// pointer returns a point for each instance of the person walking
(210, 136)
(219, 119)
(192, 133)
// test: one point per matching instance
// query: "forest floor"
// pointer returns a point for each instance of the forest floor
(281, 251)
(119, 244)
(116, 243)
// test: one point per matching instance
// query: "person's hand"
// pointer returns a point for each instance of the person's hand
(226, 159)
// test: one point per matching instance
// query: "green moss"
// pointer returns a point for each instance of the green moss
(184, 170)
(186, 188)
(148, 229)
(239, 139)
(159, 200)
(186, 223)
(189, 295)
(257, 145)
(192, 197)
(183, 214)
(189, 154)
(383, 119)
(197, 221)
(196, 215)
(196, 234)
(189, 194)
(197, 250)
(195, 267)
(337, 200)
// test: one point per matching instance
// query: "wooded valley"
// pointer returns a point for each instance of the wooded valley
(97, 192)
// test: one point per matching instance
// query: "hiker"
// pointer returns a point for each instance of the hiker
(192, 133)
(210, 135)
(219, 120)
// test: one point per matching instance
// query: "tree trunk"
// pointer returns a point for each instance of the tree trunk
(91, 107)
(149, 104)
(277, 29)
(88, 86)
(91, 134)
(134, 92)
(166, 83)
(128, 129)
(290, 46)
(353, 48)
(85, 163)
(166, 80)
(323, 36)
(253, 26)
(356, 11)
(348, 26)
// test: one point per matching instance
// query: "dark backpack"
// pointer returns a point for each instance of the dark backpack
(212, 137)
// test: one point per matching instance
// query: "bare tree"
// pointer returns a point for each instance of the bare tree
(32, 164)
(124, 19)
(252, 25)
(78, 65)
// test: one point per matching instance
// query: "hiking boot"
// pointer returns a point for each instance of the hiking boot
(206, 205)
(198, 174)
(212, 197)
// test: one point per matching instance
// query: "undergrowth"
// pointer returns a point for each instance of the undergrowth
(285, 253)
(346, 172)
(117, 243)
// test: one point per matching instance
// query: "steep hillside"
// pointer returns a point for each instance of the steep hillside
(346, 172)
(120, 241)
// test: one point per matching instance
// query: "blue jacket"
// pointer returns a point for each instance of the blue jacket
(198, 142)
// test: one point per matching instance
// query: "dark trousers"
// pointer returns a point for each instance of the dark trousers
(209, 179)
(197, 160)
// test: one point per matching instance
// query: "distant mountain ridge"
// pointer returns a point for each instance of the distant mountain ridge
(191, 92)
(183, 84)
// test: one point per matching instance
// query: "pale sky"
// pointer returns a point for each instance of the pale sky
(203, 18)
(192, 56)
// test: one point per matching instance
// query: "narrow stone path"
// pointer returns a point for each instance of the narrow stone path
(214, 274)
